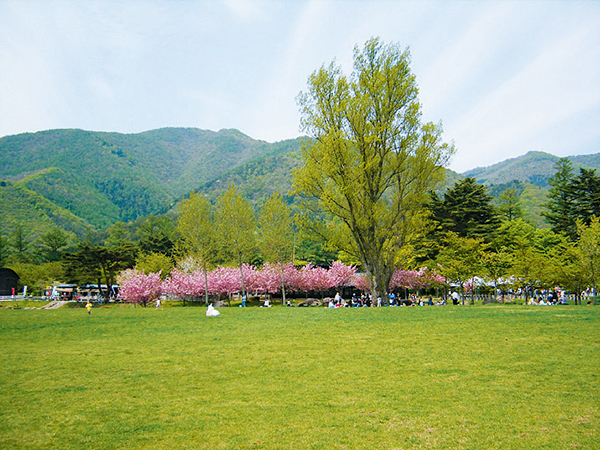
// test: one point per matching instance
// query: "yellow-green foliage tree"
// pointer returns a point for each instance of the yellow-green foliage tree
(589, 246)
(154, 262)
(372, 161)
(460, 259)
(275, 233)
(236, 224)
(196, 226)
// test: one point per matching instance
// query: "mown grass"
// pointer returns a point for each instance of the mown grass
(300, 378)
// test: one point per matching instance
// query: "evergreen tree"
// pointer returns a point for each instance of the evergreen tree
(52, 244)
(4, 249)
(99, 263)
(510, 205)
(156, 234)
(561, 200)
(466, 210)
(21, 244)
(586, 192)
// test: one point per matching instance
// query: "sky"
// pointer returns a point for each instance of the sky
(503, 77)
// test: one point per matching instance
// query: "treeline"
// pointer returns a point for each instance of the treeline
(465, 236)
(471, 237)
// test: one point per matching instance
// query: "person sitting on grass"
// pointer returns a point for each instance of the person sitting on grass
(211, 311)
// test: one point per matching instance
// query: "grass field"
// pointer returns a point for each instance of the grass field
(497, 377)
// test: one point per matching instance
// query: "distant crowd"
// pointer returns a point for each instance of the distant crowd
(366, 301)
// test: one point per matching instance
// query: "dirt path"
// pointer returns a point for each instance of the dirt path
(54, 305)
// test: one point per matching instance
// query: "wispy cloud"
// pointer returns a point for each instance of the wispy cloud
(560, 82)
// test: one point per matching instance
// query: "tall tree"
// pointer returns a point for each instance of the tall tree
(275, 233)
(561, 200)
(509, 205)
(196, 227)
(236, 224)
(4, 249)
(371, 161)
(21, 243)
(52, 244)
(467, 210)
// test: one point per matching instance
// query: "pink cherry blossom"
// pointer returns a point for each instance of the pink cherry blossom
(137, 287)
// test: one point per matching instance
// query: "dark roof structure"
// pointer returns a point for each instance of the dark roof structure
(9, 280)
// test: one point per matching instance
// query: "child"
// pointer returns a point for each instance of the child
(88, 306)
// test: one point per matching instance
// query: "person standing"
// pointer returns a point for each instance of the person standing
(88, 306)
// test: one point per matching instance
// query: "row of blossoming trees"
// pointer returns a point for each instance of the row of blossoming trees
(140, 288)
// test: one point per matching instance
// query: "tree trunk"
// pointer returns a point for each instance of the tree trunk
(379, 277)
(282, 287)
(242, 275)
(205, 284)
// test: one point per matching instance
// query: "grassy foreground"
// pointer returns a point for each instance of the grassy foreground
(509, 377)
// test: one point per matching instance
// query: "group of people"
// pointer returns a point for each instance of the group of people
(366, 301)
(550, 298)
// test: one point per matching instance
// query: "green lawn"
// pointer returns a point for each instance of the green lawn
(498, 377)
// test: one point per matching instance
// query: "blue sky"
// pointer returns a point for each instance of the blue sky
(504, 77)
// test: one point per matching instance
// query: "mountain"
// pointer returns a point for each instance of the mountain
(37, 214)
(528, 175)
(101, 178)
(259, 178)
(77, 180)
(534, 168)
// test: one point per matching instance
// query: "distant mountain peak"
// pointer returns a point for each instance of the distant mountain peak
(534, 167)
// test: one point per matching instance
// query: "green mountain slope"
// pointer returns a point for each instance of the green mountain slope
(534, 167)
(67, 191)
(77, 179)
(259, 178)
(104, 177)
(37, 214)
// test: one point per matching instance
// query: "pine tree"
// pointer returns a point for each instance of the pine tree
(466, 210)
(510, 205)
(586, 192)
(561, 211)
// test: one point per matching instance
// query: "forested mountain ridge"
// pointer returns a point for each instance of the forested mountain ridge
(75, 179)
(104, 177)
(534, 167)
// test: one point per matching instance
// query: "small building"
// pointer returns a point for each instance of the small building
(9, 282)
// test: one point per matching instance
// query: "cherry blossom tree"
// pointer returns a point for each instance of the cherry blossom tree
(340, 273)
(225, 281)
(186, 286)
(138, 287)
(320, 280)
(361, 282)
